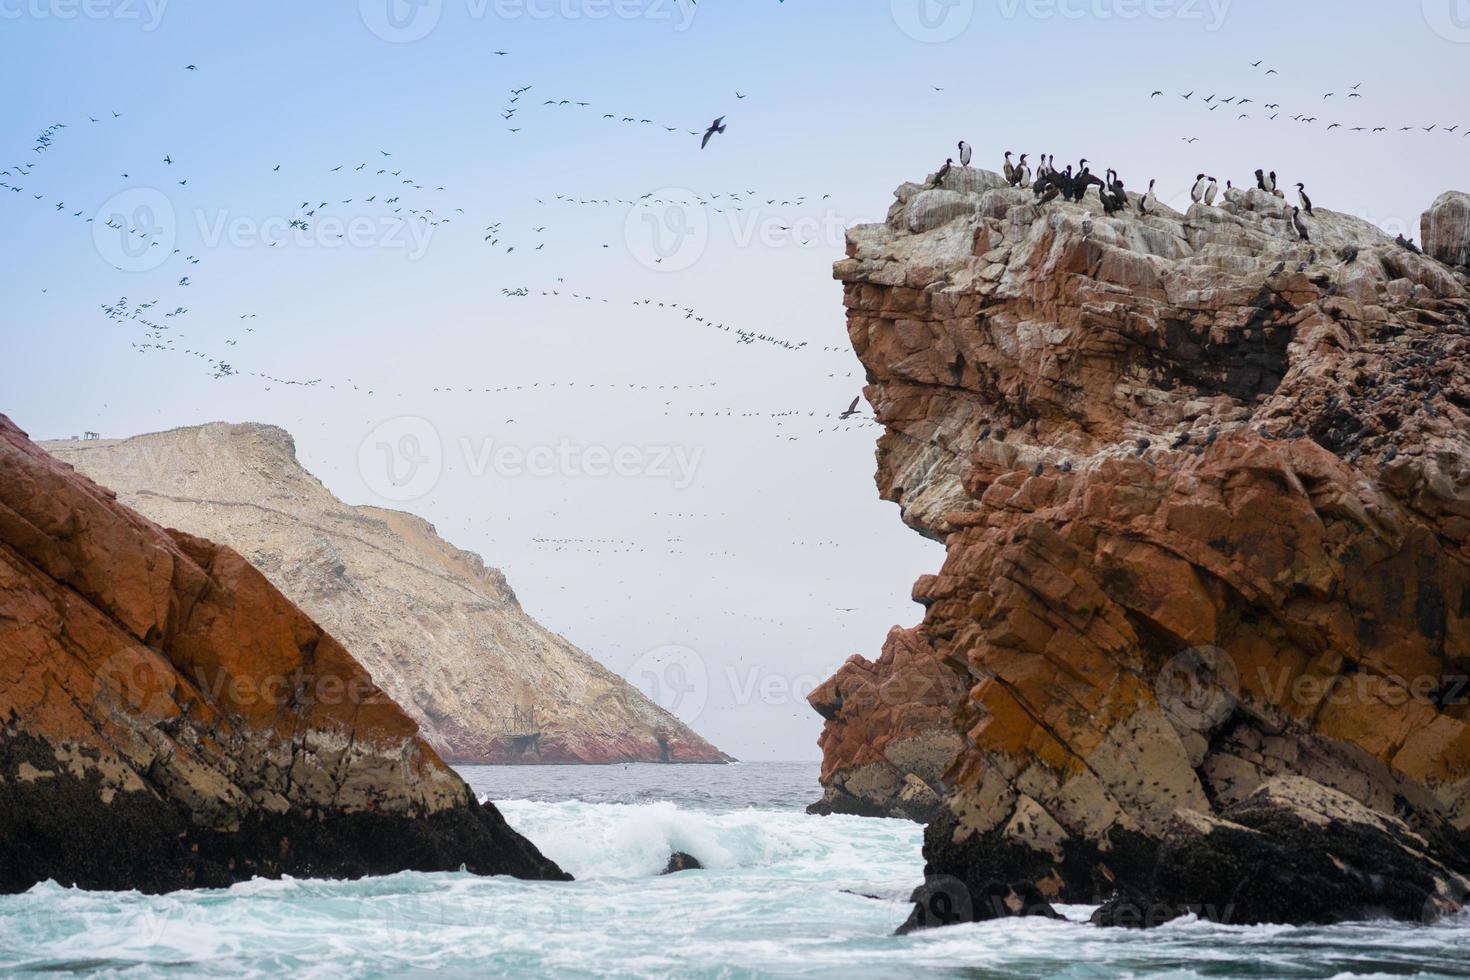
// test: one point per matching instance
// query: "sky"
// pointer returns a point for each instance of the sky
(474, 334)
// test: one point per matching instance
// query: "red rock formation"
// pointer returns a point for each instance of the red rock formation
(1205, 492)
(168, 719)
(890, 735)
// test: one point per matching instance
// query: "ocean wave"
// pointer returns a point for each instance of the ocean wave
(614, 840)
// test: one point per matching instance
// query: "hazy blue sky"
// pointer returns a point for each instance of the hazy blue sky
(739, 566)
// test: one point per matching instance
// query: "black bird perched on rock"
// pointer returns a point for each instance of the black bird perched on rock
(1084, 179)
(964, 154)
(1112, 195)
(718, 126)
(943, 172)
(1301, 192)
(1021, 175)
(1146, 199)
(1299, 225)
(1261, 181)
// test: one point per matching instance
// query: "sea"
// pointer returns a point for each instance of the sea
(783, 894)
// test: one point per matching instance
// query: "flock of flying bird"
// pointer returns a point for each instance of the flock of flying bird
(1214, 102)
(379, 185)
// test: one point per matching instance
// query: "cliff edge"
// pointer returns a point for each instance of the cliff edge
(1205, 494)
(169, 720)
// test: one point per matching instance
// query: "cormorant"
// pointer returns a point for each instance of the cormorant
(1299, 225)
(1301, 193)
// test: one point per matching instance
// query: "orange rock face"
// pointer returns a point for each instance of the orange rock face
(889, 735)
(168, 719)
(1205, 493)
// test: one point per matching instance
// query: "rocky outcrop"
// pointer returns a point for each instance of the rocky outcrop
(889, 735)
(442, 633)
(1295, 852)
(1445, 228)
(169, 720)
(1205, 494)
(680, 861)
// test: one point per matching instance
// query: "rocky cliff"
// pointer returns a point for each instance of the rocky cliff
(442, 633)
(169, 720)
(1205, 492)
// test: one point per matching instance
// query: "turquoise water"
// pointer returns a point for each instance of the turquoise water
(777, 899)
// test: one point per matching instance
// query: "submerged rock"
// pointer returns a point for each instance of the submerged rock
(1205, 495)
(944, 900)
(169, 720)
(679, 861)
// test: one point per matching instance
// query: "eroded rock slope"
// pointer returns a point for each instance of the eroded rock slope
(1205, 493)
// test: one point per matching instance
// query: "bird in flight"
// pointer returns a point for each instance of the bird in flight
(851, 409)
(718, 126)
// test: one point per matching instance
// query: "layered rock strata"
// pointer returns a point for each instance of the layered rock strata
(169, 720)
(1205, 492)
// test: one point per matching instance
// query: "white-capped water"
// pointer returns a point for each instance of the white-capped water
(784, 894)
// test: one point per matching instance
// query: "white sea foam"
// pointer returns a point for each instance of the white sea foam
(783, 895)
(609, 840)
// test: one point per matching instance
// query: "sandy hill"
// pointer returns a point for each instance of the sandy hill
(439, 630)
